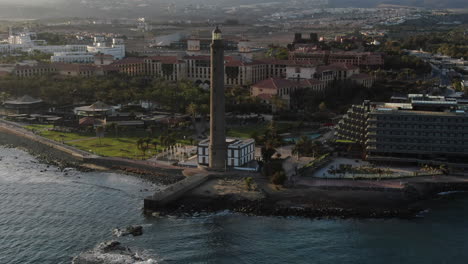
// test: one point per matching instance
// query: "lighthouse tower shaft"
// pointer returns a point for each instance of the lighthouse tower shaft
(218, 147)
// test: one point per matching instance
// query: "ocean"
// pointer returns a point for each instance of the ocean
(50, 216)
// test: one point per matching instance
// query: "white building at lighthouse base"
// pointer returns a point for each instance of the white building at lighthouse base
(240, 152)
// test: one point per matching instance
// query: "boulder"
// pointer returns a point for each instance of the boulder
(110, 252)
(129, 230)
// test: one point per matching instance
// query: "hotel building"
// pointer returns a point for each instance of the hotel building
(423, 128)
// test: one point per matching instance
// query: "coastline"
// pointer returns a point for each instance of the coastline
(315, 202)
(345, 201)
(63, 156)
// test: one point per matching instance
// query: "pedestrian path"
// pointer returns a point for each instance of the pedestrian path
(80, 139)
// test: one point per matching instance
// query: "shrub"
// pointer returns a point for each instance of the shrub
(248, 183)
(278, 178)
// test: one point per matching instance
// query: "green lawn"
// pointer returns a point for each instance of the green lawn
(246, 131)
(38, 127)
(124, 145)
(64, 136)
(344, 141)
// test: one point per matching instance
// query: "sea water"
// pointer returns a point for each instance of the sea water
(50, 216)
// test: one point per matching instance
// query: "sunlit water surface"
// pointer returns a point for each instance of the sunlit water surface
(47, 216)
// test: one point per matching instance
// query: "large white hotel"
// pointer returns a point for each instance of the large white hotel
(64, 53)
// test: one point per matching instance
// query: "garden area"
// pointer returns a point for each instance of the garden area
(343, 168)
(136, 144)
(251, 130)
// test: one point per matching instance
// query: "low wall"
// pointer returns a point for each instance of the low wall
(175, 191)
(44, 149)
(115, 163)
(64, 155)
(357, 188)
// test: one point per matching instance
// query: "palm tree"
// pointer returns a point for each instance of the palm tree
(306, 147)
(267, 151)
(317, 148)
(4, 96)
(153, 130)
(143, 145)
(192, 110)
(302, 147)
(113, 126)
(271, 135)
(167, 139)
(100, 133)
(277, 104)
(155, 144)
(204, 110)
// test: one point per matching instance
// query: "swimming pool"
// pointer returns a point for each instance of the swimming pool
(311, 136)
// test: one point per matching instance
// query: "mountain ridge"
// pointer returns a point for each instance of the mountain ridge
(412, 3)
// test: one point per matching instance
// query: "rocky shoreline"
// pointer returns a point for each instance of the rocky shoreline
(151, 176)
(53, 156)
(405, 203)
(408, 205)
(192, 206)
(111, 252)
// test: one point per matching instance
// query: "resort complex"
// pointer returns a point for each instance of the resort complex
(422, 129)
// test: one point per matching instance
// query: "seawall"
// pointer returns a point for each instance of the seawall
(55, 152)
(38, 146)
(175, 191)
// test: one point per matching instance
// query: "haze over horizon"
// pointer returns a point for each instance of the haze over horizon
(335, 3)
(40, 9)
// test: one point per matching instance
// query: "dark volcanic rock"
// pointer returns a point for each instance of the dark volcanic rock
(111, 246)
(129, 230)
(110, 252)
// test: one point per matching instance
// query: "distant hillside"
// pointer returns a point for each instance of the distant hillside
(417, 3)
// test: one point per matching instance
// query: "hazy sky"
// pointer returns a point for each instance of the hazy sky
(34, 2)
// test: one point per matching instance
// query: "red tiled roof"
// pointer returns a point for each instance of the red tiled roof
(336, 67)
(310, 82)
(90, 121)
(274, 83)
(274, 61)
(234, 63)
(345, 66)
(166, 59)
(287, 62)
(38, 66)
(128, 61)
(74, 67)
(197, 57)
(110, 67)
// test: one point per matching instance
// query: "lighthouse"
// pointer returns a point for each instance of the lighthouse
(217, 147)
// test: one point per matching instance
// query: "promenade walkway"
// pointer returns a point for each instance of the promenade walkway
(14, 128)
(393, 183)
(80, 139)
(20, 131)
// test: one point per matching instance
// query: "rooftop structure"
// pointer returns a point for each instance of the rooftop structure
(97, 109)
(72, 57)
(23, 105)
(370, 59)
